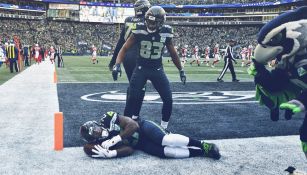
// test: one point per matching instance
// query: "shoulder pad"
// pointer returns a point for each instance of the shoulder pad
(166, 31)
(129, 19)
(140, 29)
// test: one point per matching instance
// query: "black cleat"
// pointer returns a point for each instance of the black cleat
(235, 80)
(211, 150)
(219, 80)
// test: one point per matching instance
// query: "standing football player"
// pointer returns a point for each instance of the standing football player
(151, 39)
(140, 8)
(243, 55)
(94, 54)
(216, 55)
(207, 54)
(195, 56)
(184, 53)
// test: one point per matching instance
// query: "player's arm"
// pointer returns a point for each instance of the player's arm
(171, 49)
(129, 125)
(119, 45)
(121, 55)
(129, 128)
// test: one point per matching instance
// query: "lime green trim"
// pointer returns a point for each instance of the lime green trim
(277, 97)
(304, 146)
(160, 127)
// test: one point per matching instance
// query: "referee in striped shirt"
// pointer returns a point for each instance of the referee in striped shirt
(228, 58)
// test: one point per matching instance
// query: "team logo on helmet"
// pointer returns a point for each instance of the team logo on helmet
(92, 131)
(155, 18)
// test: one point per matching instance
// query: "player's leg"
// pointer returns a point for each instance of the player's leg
(226, 64)
(232, 71)
(161, 84)
(136, 92)
(158, 143)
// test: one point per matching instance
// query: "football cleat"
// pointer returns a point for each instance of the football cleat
(211, 150)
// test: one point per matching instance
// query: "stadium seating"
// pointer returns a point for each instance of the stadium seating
(69, 34)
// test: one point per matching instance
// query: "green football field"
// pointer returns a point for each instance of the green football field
(81, 69)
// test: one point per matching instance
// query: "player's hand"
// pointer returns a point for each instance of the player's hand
(235, 61)
(183, 78)
(111, 142)
(294, 106)
(115, 71)
(101, 152)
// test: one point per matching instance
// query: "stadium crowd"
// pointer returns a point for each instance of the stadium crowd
(69, 34)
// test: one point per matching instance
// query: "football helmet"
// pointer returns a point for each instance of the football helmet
(141, 7)
(154, 19)
(92, 131)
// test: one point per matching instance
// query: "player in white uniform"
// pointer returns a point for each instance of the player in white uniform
(195, 56)
(207, 54)
(243, 55)
(184, 53)
(94, 54)
(216, 55)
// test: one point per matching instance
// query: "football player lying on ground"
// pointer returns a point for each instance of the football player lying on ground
(118, 136)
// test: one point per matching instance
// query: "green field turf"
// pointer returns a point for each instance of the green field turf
(80, 69)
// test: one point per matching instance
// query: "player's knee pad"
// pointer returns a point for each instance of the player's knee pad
(175, 140)
(176, 152)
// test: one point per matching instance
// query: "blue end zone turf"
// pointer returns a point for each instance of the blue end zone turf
(200, 110)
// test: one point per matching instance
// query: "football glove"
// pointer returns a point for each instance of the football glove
(251, 70)
(101, 152)
(183, 78)
(116, 70)
(111, 142)
(274, 100)
(294, 106)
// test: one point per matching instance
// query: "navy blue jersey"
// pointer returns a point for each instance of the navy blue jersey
(151, 45)
(130, 24)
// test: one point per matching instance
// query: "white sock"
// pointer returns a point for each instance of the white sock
(164, 124)
(135, 117)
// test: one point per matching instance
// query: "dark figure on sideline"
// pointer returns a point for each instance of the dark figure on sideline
(228, 58)
(26, 55)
